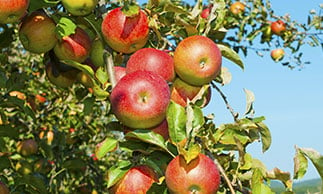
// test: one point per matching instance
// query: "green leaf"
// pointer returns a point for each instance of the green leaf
(6, 36)
(102, 75)
(191, 152)
(88, 105)
(250, 98)
(36, 183)
(4, 163)
(158, 188)
(115, 173)
(130, 10)
(8, 131)
(257, 183)
(176, 119)
(108, 145)
(74, 164)
(315, 157)
(230, 54)
(265, 136)
(300, 164)
(148, 136)
(65, 27)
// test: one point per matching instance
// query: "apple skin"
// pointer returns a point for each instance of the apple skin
(3, 188)
(79, 7)
(278, 27)
(12, 11)
(140, 99)
(97, 52)
(119, 72)
(137, 180)
(277, 54)
(181, 91)
(237, 8)
(37, 32)
(64, 79)
(27, 147)
(154, 60)
(74, 47)
(201, 175)
(197, 60)
(123, 33)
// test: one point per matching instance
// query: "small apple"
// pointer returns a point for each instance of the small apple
(79, 7)
(62, 79)
(27, 147)
(97, 52)
(237, 8)
(18, 94)
(3, 188)
(137, 180)
(206, 11)
(154, 60)
(74, 47)
(162, 129)
(182, 91)
(125, 33)
(197, 60)
(12, 11)
(37, 32)
(201, 175)
(277, 54)
(119, 72)
(140, 99)
(278, 27)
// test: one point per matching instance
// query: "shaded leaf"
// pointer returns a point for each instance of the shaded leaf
(115, 173)
(265, 136)
(148, 136)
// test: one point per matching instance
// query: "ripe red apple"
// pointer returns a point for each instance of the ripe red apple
(140, 99)
(123, 33)
(27, 147)
(182, 91)
(119, 72)
(74, 47)
(12, 11)
(277, 54)
(197, 60)
(278, 27)
(3, 188)
(37, 32)
(154, 60)
(201, 175)
(79, 7)
(206, 11)
(237, 8)
(137, 180)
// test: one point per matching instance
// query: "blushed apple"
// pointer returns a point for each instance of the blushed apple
(119, 72)
(237, 8)
(277, 54)
(12, 11)
(278, 27)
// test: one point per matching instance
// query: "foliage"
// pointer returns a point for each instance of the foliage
(90, 151)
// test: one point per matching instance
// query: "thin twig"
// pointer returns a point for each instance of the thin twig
(224, 176)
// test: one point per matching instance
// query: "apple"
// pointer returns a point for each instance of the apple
(62, 79)
(119, 72)
(18, 94)
(140, 99)
(137, 180)
(123, 33)
(182, 91)
(197, 60)
(12, 11)
(201, 175)
(37, 32)
(154, 60)
(74, 47)
(97, 52)
(278, 27)
(162, 129)
(27, 147)
(277, 54)
(79, 7)
(40, 98)
(206, 11)
(237, 8)
(3, 188)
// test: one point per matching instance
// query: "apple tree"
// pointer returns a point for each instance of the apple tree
(101, 96)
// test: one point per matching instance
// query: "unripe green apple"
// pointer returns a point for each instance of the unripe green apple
(277, 54)
(79, 7)
(3, 188)
(97, 52)
(37, 32)
(197, 60)
(12, 11)
(27, 147)
(123, 33)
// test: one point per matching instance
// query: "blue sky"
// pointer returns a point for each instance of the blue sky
(291, 100)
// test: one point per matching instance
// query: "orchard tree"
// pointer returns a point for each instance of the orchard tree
(108, 96)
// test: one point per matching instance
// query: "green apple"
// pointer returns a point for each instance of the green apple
(79, 7)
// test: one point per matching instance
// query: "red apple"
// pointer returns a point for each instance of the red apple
(119, 72)
(162, 129)
(27, 147)
(123, 33)
(12, 11)
(137, 180)
(206, 11)
(237, 8)
(40, 98)
(197, 60)
(79, 7)
(140, 99)
(154, 60)
(37, 32)
(182, 91)
(3, 188)
(278, 27)
(75, 47)
(201, 175)
(277, 54)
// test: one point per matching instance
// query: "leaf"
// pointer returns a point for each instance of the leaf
(157, 188)
(176, 119)
(88, 105)
(130, 10)
(102, 75)
(230, 54)
(265, 136)
(8, 131)
(300, 164)
(148, 136)
(315, 157)
(257, 183)
(225, 76)
(115, 173)
(108, 145)
(65, 27)
(4, 163)
(284, 177)
(74, 164)
(36, 183)
(191, 152)
(250, 98)
(198, 120)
